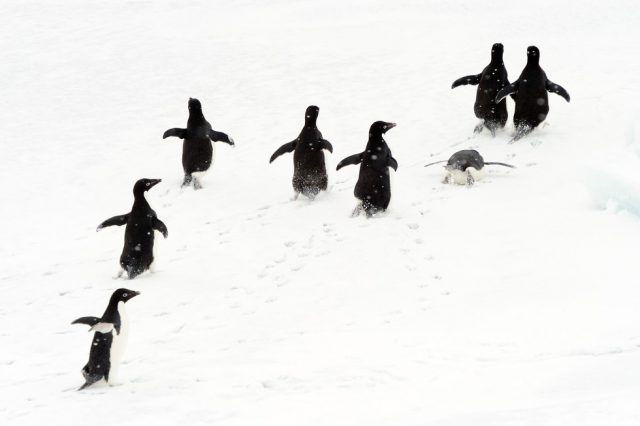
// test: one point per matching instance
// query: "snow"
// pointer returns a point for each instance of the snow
(513, 302)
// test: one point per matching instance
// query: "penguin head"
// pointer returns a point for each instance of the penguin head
(533, 54)
(311, 114)
(194, 104)
(380, 127)
(497, 50)
(143, 185)
(123, 295)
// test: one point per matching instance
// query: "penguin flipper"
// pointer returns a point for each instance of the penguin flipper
(287, 147)
(179, 133)
(159, 226)
(507, 90)
(495, 163)
(90, 379)
(325, 144)
(220, 137)
(116, 220)
(90, 321)
(391, 162)
(350, 160)
(557, 89)
(469, 79)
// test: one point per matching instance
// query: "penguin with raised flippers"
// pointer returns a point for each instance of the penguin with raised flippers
(309, 170)
(141, 221)
(197, 149)
(466, 167)
(374, 184)
(110, 338)
(492, 78)
(530, 91)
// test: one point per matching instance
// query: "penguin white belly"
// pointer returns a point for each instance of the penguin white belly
(119, 343)
(460, 177)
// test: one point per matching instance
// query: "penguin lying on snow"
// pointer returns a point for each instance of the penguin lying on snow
(465, 167)
(109, 339)
(309, 170)
(197, 149)
(374, 185)
(141, 221)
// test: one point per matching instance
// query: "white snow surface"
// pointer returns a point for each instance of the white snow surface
(513, 302)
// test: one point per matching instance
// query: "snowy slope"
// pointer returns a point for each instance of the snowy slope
(514, 302)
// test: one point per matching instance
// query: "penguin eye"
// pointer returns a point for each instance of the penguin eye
(125, 294)
(147, 184)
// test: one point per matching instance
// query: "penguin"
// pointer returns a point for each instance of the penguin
(109, 340)
(197, 149)
(530, 91)
(492, 78)
(141, 221)
(466, 166)
(374, 186)
(309, 171)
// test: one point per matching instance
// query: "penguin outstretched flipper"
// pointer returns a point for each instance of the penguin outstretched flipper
(90, 321)
(393, 163)
(350, 160)
(508, 90)
(325, 144)
(287, 147)
(220, 137)
(557, 89)
(469, 79)
(159, 226)
(179, 133)
(116, 220)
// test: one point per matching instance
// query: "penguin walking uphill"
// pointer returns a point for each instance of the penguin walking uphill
(492, 78)
(141, 221)
(197, 149)
(530, 91)
(309, 170)
(374, 185)
(109, 340)
(466, 167)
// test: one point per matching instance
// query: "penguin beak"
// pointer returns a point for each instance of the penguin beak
(134, 294)
(154, 182)
(389, 126)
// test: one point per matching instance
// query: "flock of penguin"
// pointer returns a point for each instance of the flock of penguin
(373, 187)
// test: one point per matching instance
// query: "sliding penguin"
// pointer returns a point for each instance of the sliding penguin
(197, 149)
(109, 339)
(374, 186)
(530, 90)
(309, 171)
(466, 166)
(141, 221)
(492, 78)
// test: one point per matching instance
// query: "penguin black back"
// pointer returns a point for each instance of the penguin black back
(197, 149)
(309, 169)
(373, 187)
(530, 91)
(490, 81)
(141, 221)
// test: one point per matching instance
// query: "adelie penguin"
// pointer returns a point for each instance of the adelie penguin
(141, 221)
(530, 93)
(309, 171)
(466, 167)
(492, 78)
(109, 340)
(197, 149)
(374, 184)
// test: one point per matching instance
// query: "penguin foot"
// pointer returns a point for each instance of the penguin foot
(187, 180)
(447, 179)
(295, 196)
(478, 128)
(119, 274)
(356, 212)
(470, 179)
(196, 184)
